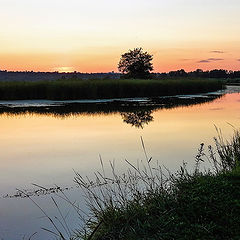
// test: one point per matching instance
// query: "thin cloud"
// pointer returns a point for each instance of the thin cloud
(215, 59)
(210, 60)
(217, 51)
(185, 59)
(203, 61)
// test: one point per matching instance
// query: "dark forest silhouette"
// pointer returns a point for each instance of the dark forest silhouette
(36, 76)
(199, 73)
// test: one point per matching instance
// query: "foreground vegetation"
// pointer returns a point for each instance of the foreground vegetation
(107, 88)
(148, 202)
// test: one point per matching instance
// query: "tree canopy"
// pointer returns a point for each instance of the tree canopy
(136, 63)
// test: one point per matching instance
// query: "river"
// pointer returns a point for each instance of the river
(43, 144)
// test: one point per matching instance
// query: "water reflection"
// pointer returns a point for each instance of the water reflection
(43, 144)
(137, 119)
(135, 113)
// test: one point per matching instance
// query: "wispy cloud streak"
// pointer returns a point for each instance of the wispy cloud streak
(210, 60)
(217, 51)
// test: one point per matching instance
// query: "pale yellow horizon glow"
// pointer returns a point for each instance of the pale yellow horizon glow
(90, 36)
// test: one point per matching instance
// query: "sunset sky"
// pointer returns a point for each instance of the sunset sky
(90, 35)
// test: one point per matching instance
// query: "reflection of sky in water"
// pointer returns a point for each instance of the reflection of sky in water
(44, 150)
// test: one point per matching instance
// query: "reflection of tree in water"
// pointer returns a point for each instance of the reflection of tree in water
(134, 113)
(137, 118)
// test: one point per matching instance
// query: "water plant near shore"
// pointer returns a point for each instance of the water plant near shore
(150, 202)
(105, 88)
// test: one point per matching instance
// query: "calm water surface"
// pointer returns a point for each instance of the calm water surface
(44, 149)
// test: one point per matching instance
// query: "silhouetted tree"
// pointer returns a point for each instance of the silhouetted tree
(178, 73)
(236, 74)
(218, 73)
(136, 63)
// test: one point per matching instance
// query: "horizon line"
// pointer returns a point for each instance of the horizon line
(110, 72)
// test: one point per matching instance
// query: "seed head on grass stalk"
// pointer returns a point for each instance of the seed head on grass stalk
(110, 197)
(113, 200)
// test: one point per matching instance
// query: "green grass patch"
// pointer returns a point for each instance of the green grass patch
(199, 207)
(105, 88)
(147, 202)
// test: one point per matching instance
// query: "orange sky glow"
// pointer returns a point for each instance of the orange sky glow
(90, 36)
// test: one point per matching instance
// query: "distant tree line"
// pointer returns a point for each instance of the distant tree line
(199, 73)
(41, 76)
(37, 76)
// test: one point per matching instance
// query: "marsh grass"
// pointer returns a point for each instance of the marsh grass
(150, 202)
(104, 88)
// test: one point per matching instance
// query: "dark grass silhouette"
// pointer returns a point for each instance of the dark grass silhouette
(109, 88)
(148, 202)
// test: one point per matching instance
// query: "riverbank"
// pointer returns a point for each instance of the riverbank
(73, 89)
(145, 204)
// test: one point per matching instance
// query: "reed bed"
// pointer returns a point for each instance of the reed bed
(150, 202)
(105, 88)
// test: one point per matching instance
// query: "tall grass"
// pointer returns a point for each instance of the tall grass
(107, 88)
(150, 202)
